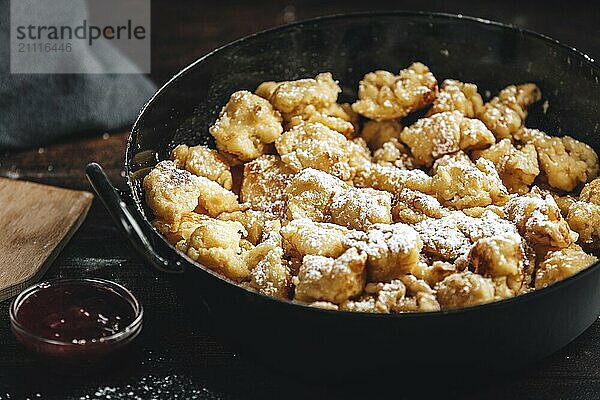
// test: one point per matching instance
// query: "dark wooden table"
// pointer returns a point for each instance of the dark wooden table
(176, 356)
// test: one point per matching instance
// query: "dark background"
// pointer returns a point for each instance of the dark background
(177, 357)
(182, 31)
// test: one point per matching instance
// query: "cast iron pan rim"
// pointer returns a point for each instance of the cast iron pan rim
(476, 308)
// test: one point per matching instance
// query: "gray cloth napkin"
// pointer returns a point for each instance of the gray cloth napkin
(36, 109)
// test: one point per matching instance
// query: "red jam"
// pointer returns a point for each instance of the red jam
(76, 321)
(75, 312)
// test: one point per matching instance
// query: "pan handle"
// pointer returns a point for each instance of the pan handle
(118, 210)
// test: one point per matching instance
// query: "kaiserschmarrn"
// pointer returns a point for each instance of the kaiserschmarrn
(414, 198)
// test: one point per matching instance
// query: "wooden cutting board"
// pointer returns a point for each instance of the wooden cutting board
(36, 221)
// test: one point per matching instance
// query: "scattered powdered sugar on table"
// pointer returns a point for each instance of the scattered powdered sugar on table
(152, 387)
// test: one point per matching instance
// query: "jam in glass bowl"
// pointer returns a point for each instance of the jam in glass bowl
(76, 321)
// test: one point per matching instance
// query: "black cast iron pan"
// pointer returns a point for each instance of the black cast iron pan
(506, 334)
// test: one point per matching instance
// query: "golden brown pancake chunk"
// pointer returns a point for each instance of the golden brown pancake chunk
(517, 168)
(562, 263)
(487, 224)
(393, 293)
(293, 97)
(271, 276)
(478, 212)
(392, 250)
(309, 101)
(392, 179)
(214, 199)
(203, 161)
(216, 245)
(172, 192)
(179, 233)
(331, 279)
(360, 155)
(396, 154)
(566, 162)
(269, 273)
(411, 206)
(310, 193)
(452, 235)
(359, 208)
(246, 125)
(591, 192)
(264, 184)
(395, 297)
(442, 238)
(460, 157)
(376, 133)
(464, 289)
(305, 237)
(314, 145)
(539, 220)
(564, 202)
(421, 295)
(584, 218)
(337, 117)
(322, 197)
(444, 133)
(383, 95)
(505, 114)
(583, 215)
(253, 221)
(368, 303)
(457, 96)
(462, 184)
(434, 273)
(500, 256)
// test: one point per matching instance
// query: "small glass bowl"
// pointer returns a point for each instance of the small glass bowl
(81, 353)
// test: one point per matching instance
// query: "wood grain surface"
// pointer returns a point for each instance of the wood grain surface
(176, 355)
(37, 221)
